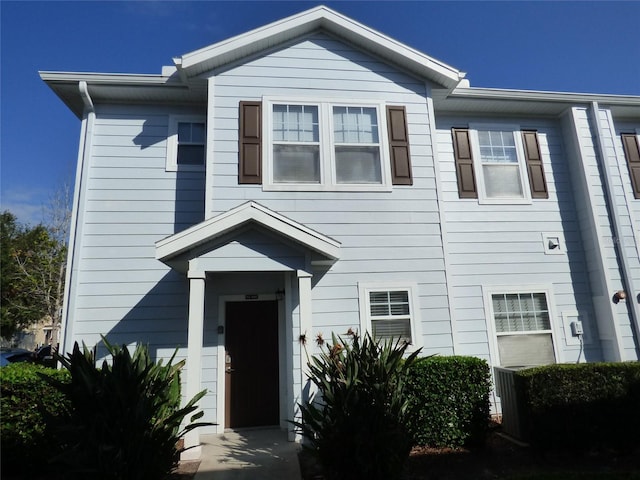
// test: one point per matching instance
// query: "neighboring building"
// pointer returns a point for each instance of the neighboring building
(314, 175)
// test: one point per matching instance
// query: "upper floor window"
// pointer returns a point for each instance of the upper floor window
(499, 164)
(631, 147)
(186, 144)
(316, 146)
(501, 169)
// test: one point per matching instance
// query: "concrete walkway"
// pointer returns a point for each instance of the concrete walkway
(263, 454)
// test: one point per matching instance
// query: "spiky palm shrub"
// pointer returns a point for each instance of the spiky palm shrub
(355, 425)
(126, 416)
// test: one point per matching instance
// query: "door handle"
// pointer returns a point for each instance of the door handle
(229, 369)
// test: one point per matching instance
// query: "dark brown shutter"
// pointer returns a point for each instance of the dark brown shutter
(632, 154)
(537, 179)
(464, 163)
(250, 144)
(399, 146)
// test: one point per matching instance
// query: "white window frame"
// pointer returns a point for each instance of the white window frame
(414, 308)
(478, 165)
(327, 145)
(489, 291)
(172, 143)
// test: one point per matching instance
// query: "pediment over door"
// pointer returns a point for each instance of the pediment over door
(249, 237)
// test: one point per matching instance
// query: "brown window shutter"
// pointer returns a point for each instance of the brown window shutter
(632, 154)
(399, 146)
(464, 163)
(537, 180)
(250, 143)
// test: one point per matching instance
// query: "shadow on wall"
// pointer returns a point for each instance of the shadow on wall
(189, 188)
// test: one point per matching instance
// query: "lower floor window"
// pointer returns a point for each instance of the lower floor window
(523, 328)
(389, 313)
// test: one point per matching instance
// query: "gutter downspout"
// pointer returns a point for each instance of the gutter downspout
(627, 279)
(84, 146)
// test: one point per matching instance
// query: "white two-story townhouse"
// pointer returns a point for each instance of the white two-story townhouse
(314, 176)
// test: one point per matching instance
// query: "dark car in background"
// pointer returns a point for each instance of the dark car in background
(13, 355)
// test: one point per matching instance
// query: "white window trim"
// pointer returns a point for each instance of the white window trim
(172, 143)
(477, 164)
(414, 308)
(488, 291)
(327, 147)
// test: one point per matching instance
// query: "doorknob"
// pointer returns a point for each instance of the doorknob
(229, 369)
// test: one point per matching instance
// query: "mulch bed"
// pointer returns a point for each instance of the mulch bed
(502, 458)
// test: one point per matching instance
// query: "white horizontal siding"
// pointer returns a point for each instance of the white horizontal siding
(130, 202)
(502, 245)
(385, 236)
(627, 219)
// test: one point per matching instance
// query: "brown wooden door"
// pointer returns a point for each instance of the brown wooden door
(251, 378)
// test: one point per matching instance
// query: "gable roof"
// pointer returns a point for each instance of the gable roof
(250, 212)
(319, 18)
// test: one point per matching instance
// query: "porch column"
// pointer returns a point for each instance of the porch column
(304, 294)
(194, 353)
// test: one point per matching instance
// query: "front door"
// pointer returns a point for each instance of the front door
(251, 364)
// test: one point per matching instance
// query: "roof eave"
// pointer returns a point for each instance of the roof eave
(537, 95)
(281, 31)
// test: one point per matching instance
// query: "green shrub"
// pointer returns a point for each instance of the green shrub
(356, 427)
(580, 406)
(29, 405)
(449, 403)
(126, 415)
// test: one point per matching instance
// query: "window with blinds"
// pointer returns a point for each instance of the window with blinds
(523, 329)
(390, 314)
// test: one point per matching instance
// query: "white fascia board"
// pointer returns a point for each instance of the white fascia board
(537, 95)
(321, 17)
(108, 78)
(234, 218)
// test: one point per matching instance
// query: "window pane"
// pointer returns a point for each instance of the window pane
(380, 310)
(389, 303)
(520, 312)
(295, 123)
(358, 165)
(392, 329)
(497, 146)
(355, 125)
(184, 132)
(296, 163)
(190, 154)
(197, 132)
(502, 181)
(526, 350)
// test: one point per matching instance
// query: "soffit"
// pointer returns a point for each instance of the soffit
(124, 88)
(485, 101)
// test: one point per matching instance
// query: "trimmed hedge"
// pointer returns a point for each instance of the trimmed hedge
(29, 404)
(449, 404)
(584, 406)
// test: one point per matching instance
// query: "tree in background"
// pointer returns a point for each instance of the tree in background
(32, 271)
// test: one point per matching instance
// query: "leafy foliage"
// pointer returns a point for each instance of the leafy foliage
(356, 426)
(581, 406)
(126, 418)
(449, 401)
(32, 274)
(29, 407)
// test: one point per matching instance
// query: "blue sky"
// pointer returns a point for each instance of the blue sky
(560, 46)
